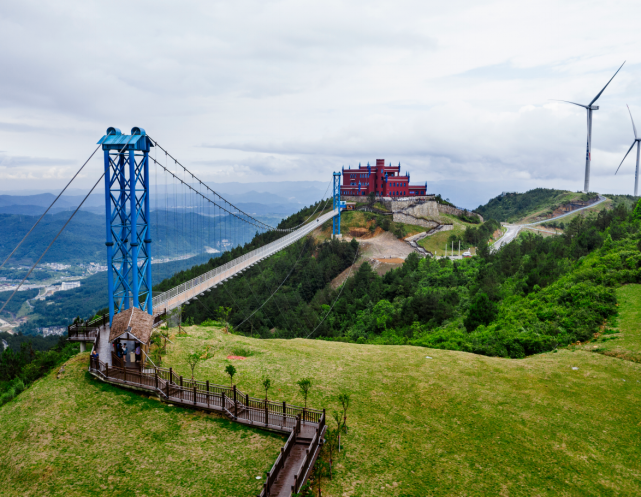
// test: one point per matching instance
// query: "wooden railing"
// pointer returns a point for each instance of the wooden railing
(285, 450)
(310, 457)
(239, 406)
(236, 402)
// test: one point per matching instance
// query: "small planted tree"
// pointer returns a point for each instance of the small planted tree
(223, 316)
(344, 398)
(305, 386)
(231, 371)
(267, 384)
(194, 358)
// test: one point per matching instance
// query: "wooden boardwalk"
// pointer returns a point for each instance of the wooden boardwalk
(305, 426)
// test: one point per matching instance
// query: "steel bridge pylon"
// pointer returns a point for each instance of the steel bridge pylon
(126, 163)
(336, 223)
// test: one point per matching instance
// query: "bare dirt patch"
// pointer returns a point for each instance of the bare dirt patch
(383, 251)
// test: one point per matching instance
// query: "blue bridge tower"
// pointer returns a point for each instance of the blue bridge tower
(336, 227)
(126, 162)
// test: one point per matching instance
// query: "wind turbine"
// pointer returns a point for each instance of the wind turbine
(590, 107)
(636, 142)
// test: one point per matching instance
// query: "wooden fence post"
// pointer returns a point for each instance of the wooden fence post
(223, 399)
(194, 394)
(266, 414)
(170, 375)
(181, 388)
(167, 386)
(207, 383)
(284, 413)
(125, 372)
(235, 403)
(156, 378)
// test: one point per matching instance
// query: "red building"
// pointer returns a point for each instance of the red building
(385, 181)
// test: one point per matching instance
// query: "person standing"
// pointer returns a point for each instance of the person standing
(124, 353)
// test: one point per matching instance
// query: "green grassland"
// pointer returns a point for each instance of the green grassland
(516, 206)
(360, 219)
(436, 243)
(622, 336)
(589, 210)
(453, 424)
(78, 436)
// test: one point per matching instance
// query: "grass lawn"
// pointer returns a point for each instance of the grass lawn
(78, 436)
(456, 424)
(622, 337)
(436, 243)
(453, 424)
(607, 204)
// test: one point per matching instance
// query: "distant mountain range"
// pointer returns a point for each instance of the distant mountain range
(280, 198)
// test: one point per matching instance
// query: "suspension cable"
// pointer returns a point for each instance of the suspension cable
(226, 201)
(209, 200)
(52, 241)
(339, 294)
(281, 284)
(45, 212)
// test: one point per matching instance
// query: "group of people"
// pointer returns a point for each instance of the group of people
(121, 351)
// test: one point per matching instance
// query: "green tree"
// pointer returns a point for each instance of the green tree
(194, 358)
(305, 386)
(223, 316)
(267, 383)
(231, 371)
(482, 312)
(344, 398)
(637, 210)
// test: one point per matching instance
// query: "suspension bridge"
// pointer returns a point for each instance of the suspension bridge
(189, 212)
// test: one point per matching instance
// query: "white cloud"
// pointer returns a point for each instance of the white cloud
(252, 91)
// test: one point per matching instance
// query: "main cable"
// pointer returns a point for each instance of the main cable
(52, 241)
(226, 201)
(282, 283)
(48, 208)
(339, 293)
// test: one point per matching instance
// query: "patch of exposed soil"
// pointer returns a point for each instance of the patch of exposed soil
(382, 250)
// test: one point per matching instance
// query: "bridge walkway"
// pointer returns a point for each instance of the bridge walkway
(192, 288)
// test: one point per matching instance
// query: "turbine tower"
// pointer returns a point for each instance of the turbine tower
(636, 142)
(590, 107)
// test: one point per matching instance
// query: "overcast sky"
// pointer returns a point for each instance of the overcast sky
(266, 91)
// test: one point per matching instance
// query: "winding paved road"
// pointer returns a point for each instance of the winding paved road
(514, 229)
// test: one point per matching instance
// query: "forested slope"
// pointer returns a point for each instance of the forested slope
(515, 206)
(533, 295)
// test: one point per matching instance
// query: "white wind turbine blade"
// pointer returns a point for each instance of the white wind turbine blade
(626, 154)
(606, 85)
(568, 102)
(633, 126)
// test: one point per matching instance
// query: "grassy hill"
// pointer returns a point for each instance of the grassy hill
(515, 206)
(451, 424)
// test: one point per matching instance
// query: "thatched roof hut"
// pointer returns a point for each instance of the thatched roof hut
(133, 323)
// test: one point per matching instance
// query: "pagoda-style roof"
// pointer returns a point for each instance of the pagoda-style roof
(133, 321)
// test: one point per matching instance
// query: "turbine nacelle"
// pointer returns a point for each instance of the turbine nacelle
(593, 107)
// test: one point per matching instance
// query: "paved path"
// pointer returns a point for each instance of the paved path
(195, 287)
(514, 229)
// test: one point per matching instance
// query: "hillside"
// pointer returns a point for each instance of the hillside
(421, 422)
(174, 235)
(512, 207)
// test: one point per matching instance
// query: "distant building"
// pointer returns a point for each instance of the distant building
(53, 331)
(68, 285)
(384, 181)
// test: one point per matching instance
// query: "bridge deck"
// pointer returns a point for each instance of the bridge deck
(190, 289)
